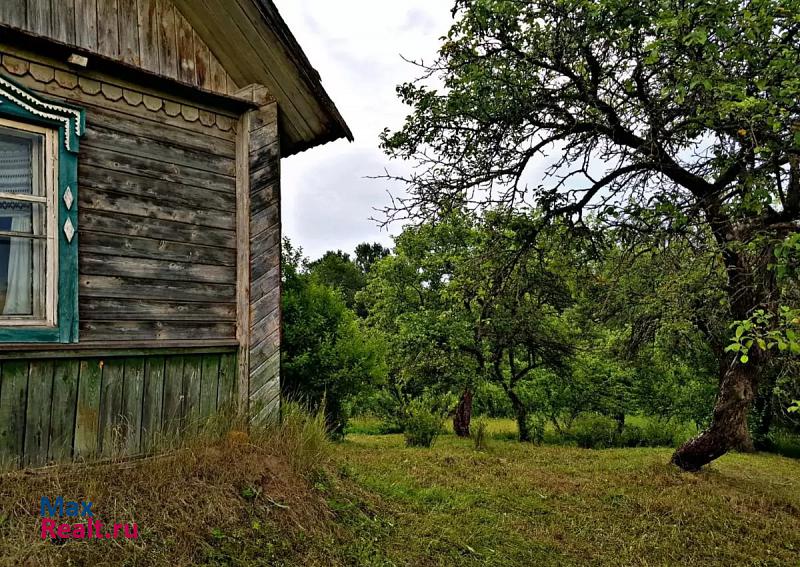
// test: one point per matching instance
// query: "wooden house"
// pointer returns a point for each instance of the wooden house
(140, 146)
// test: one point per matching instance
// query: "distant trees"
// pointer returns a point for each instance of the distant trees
(454, 322)
(327, 354)
(664, 117)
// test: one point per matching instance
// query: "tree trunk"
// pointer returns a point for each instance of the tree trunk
(728, 428)
(463, 416)
(764, 413)
(521, 413)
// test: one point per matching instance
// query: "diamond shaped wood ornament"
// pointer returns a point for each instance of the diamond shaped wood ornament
(68, 198)
(69, 230)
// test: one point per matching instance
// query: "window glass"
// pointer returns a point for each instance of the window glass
(23, 225)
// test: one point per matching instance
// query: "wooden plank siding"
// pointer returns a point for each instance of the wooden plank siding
(156, 219)
(151, 34)
(56, 410)
(262, 236)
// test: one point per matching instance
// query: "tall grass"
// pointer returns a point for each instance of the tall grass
(300, 437)
(218, 493)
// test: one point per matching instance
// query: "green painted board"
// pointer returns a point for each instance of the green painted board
(132, 404)
(191, 392)
(226, 393)
(209, 377)
(111, 418)
(13, 399)
(87, 418)
(153, 400)
(37, 415)
(173, 394)
(62, 415)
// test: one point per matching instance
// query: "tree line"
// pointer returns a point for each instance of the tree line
(611, 174)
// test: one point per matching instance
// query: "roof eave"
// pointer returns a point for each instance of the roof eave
(310, 77)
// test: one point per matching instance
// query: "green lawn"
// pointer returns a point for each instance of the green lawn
(527, 505)
(287, 497)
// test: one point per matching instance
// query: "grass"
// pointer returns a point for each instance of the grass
(286, 497)
(219, 499)
(527, 505)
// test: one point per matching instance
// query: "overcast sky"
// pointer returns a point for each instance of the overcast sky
(356, 45)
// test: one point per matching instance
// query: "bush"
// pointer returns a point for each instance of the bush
(480, 435)
(593, 431)
(421, 426)
(633, 436)
(536, 429)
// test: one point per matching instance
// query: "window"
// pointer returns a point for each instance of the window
(28, 247)
(38, 217)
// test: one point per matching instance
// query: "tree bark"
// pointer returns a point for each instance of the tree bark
(463, 416)
(728, 429)
(521, 414)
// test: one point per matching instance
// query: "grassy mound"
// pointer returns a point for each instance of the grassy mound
(221, 499)
(285, 496)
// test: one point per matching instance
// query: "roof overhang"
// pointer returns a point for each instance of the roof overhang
(254, 44)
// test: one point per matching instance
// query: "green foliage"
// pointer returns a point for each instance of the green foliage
(536, 429)
(672, 125)
(480, 435)
(422, 425)
(327, 354)
(337, 271)
(594, 431)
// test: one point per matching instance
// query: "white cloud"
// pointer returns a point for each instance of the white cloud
(356, 45)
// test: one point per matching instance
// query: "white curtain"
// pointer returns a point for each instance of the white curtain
(16, 176)
(18, 293)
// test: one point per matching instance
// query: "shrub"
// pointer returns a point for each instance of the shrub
(633, 436)
(536, 429)
(593, 431)
(421, 426)
(480, 435)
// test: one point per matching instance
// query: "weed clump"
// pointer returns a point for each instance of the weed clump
(421, 426)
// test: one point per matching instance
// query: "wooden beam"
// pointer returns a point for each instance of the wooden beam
(243, 260)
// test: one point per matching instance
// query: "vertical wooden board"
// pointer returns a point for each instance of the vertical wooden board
(202, 63)
(87, 418)
(13, 399)
(153, 399)
(226, 391)
(13, 12)
(62, 416)
(173, 394)
(191, 392)
(217, 73)
(133, 392)
(86, 23)
(39, 17)
(167, 39)
(62, 20)
(37, 415)
(186, 55)
(209, 383)
(107, 28)
(148, 34)
(128, 22)
(111, 406)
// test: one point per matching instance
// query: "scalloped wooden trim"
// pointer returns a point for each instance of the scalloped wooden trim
(45, 74)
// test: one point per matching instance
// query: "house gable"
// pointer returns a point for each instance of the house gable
(216, 45)
(150, 34)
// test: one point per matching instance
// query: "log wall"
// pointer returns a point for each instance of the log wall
(156, 208)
